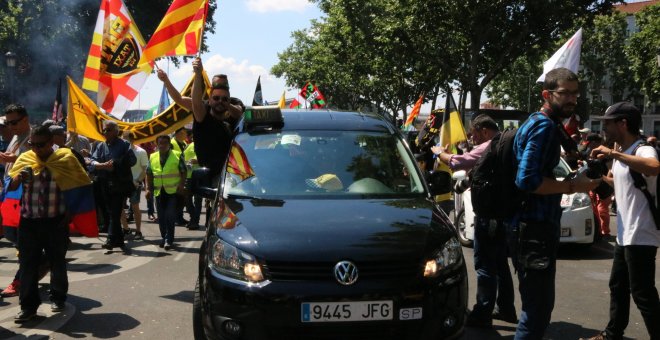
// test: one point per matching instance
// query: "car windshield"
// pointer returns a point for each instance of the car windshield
(308, 163)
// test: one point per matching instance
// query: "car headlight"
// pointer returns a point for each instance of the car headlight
(449, 255)
(580, 200)
(233, 262)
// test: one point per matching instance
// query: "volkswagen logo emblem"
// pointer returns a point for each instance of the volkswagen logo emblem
(346, 272)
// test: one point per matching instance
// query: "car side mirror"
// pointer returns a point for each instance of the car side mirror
(200, 183)
(439, 183)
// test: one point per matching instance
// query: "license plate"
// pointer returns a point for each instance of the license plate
(346, 311)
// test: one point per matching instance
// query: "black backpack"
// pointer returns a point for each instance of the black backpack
(640, 183)
(494, 191)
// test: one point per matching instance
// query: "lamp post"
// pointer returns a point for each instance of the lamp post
(658, 57)
(10, 58)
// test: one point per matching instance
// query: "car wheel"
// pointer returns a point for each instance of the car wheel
(198, 328)
(459, 222)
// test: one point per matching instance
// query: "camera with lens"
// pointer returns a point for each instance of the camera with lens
(461, 185)
(596, 168)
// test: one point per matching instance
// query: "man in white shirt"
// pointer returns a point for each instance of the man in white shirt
(638, 236)
(139, 171)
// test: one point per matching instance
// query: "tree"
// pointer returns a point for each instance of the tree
(362, 59)
(643, 51)
(410, 46)
(52, 39)
(604, 65)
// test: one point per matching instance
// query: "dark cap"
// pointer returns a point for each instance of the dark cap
(621, 110)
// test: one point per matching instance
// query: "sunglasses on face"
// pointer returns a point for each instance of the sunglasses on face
(220, 98)
(108, 130)
(37, 145)
(15, 121)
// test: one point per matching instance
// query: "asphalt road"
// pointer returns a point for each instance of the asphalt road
(148, 293)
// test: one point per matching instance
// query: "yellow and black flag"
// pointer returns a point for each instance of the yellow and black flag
(451, 130)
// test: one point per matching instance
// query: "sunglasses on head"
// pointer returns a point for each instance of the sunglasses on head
(15, 121)
(220, 98)
(37, 145)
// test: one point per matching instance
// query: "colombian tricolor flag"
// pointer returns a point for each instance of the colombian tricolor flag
(72, 180)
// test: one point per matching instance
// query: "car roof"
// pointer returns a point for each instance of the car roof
(332, 120)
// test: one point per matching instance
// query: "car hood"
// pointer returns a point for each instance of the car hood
(330, 229)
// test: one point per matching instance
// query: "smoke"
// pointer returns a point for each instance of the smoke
(58, 42)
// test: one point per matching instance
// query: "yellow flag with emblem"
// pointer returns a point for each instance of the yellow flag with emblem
(86, 119)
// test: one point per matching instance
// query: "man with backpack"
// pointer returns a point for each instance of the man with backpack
(534, 230)
(634, 176)
(494, 283)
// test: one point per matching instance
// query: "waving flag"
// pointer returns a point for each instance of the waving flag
(451, 129)
(180, 31)
(72, 179)
(86, 118)
(295, 104)
(238, 163)
(57, 106)
(282, 103)
(111, 69)
(258, 99)
(313, 96)
(415, 112)
(567, 56)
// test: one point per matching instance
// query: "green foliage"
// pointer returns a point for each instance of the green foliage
(643, 51)
(401, 48)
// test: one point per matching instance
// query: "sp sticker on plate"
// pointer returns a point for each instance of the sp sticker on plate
(414, 313)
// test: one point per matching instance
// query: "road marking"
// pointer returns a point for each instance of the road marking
(180, 255)
(51, 323)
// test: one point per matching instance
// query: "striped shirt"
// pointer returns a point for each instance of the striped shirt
(42, 198)
(537, 150)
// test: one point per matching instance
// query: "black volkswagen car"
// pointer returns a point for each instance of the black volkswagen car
(322, 227)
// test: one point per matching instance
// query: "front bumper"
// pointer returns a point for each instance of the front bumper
(273, 311)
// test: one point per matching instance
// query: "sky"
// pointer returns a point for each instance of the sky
(249, 35)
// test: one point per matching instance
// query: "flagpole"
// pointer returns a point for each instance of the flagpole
(201, 35)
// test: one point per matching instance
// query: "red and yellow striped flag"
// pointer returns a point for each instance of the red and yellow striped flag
(238, 163)
(112, 65)
(415, 111)
(180, 31)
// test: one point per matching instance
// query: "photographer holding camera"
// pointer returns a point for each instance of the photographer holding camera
(601, 197)
(634, 177)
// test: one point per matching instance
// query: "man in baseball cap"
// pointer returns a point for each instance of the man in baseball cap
(634, 176)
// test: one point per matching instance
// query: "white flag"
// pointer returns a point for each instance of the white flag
(567, 56)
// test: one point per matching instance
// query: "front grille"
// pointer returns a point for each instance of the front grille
(320, 271)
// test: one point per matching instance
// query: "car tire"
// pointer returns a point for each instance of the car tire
(459, 222)
(198, 328)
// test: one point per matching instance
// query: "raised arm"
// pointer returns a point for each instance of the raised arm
(185, 102)
(199, 111)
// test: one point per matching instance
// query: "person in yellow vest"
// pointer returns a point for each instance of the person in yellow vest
(166, 175)
(193, 202)
(179, 144)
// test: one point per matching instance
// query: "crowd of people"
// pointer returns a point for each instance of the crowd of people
(39, 162)
(35, 157)
(620, 165)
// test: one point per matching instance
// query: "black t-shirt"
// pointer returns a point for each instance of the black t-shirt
(212, 140)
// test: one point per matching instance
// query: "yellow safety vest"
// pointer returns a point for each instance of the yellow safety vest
(166, 177)
(188, 154)
(175, 145)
